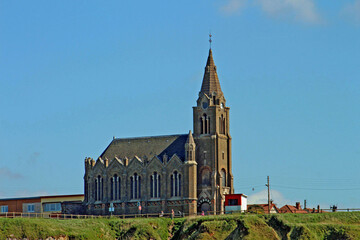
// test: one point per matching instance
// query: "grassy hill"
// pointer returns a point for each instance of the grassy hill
(281, 226)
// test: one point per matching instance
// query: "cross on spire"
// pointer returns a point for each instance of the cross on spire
(210, 41)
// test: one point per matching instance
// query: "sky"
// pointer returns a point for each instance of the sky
(73, 74)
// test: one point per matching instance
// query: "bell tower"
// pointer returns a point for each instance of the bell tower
(213, 142)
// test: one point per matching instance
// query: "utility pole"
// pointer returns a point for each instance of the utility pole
(268, 186)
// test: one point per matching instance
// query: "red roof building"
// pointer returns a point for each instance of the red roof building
(292, 209)
(263, 208)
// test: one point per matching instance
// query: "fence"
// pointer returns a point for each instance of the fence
(78, 216)
(148, 215)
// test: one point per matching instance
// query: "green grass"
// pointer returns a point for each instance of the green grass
(290, 226)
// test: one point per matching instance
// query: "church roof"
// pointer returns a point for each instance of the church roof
(210, 82)
(147, 147)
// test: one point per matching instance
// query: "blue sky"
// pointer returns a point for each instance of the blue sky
(73, 74)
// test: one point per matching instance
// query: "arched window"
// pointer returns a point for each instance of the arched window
(175, 184)
(99, 186)
(115, 187)
(205, 177)
(135, 185)
(223, 177)
(155, 185)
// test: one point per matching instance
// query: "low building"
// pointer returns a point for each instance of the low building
(39, 204)
(235, 203)
(293, 209)
(24, 205)
(263, 208)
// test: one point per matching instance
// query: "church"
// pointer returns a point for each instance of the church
(190, 172)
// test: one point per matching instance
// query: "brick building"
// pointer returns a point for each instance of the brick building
(187, 172)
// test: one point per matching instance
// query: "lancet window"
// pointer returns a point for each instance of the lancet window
(155, 185)
(205, 124)
(135, 185)
(223, 177)
(205, 177)
(222, 124)
(175, 184)
(190, 155)
(99, 188)
(115, 188)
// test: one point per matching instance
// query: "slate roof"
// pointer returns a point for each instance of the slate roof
(210, 82)
(146, 146)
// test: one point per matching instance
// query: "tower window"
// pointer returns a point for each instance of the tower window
(205, 124)
(222, 124)
(223, 177)
(206, 177)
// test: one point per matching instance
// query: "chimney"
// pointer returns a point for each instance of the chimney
(305, 204)
(298, 206)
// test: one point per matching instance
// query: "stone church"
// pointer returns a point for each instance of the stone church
(190, 172)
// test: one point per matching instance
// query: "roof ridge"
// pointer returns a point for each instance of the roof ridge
(158, 136)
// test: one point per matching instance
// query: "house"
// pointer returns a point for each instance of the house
(235, 203)
(262, 208)
(292, 209)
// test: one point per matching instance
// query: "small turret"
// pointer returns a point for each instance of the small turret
(100, 160)
(165, 158)
(106, 162)
(87, 164)
(190, 174)
(190, 147)
(126, 161)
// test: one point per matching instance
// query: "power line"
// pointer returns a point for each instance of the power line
(321, 189)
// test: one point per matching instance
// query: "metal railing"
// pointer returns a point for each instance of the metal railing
(153, 215)
(79, 216)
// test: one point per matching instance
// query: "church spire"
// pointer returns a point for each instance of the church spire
(190, 139)
(210, 82)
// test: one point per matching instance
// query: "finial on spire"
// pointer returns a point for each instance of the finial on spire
(210, 39)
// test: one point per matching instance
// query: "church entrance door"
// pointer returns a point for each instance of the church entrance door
(205, 207)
